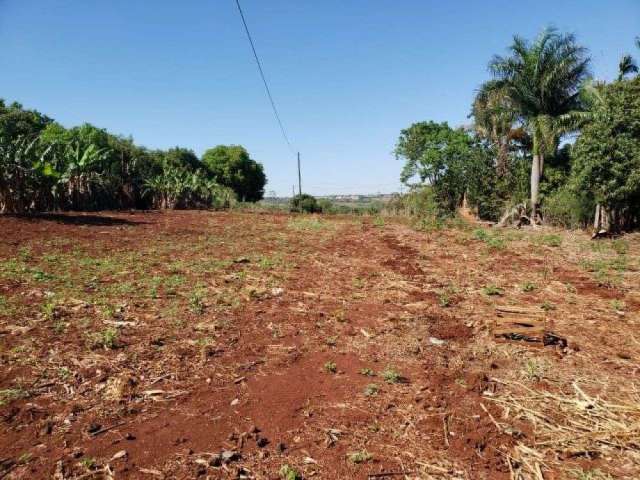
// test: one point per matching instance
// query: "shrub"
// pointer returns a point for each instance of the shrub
(305, 203)
(568, 209)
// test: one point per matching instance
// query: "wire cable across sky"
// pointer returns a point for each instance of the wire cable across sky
(264, 80)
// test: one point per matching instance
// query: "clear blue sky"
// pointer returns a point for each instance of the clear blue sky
(347, 75)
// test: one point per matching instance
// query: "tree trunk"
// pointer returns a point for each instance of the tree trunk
(503, 158)
(536, 173)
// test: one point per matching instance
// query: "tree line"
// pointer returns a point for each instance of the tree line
(548, 143)
(47, 167)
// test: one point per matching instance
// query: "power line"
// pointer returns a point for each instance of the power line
(264, 80)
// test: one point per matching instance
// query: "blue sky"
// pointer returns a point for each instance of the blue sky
(347, 75)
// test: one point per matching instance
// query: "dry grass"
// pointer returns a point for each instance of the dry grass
(570, 426)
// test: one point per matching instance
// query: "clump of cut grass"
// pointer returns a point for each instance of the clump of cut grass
(590, 475)
(378, 222)
(330, 367)
(565, 423)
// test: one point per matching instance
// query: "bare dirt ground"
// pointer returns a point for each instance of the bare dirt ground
(231, 345)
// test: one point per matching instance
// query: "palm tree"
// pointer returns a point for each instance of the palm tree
(543, 80)
(626, 66)
(494, 119)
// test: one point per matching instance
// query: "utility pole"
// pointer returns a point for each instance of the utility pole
(299, 177)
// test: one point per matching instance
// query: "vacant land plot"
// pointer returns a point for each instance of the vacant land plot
(221, 345)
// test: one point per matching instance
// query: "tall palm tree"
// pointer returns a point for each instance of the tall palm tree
(543, 80)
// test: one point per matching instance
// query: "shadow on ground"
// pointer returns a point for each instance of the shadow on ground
(79, 219)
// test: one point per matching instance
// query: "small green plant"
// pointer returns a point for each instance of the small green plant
(547, 306)
(620, 246)
(492, 290)
(107, 339)
(40, 276)
(8, 395)
(534, 369)
(444, 300)
(360, 457)
(492, 240)
(551, 240)
(49, 309)
(618, 305)
(289, 473)
(88, 463)
(331, 341)
(64, 373)
(367, 372)
(390, 375)
(196, 304)
(331, 367)
(378, 222)
(371, 390)
(528, 287)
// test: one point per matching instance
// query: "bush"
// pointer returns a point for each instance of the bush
(305, 203)
(567, 209)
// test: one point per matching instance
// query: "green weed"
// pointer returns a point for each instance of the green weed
(492, 290)
(360, 457)
(390, 375)
(371, 390)
(330, 367)
(289, 473)
(8, 395)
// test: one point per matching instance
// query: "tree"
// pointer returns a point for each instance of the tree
(494, 120)
(607, 156)
(305, 203)
(626, 66)
(231, 166)
(543, 79)
(437, 155)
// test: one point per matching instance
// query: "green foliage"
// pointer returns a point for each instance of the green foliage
(492, 290)
(232, 167)
(371, 390)
(305, 203)
(360, 457)
(289, 473)
(44, 167)
(566, 207)
(331, 367)
(607, 153)
(437, 155)
(390, 375)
